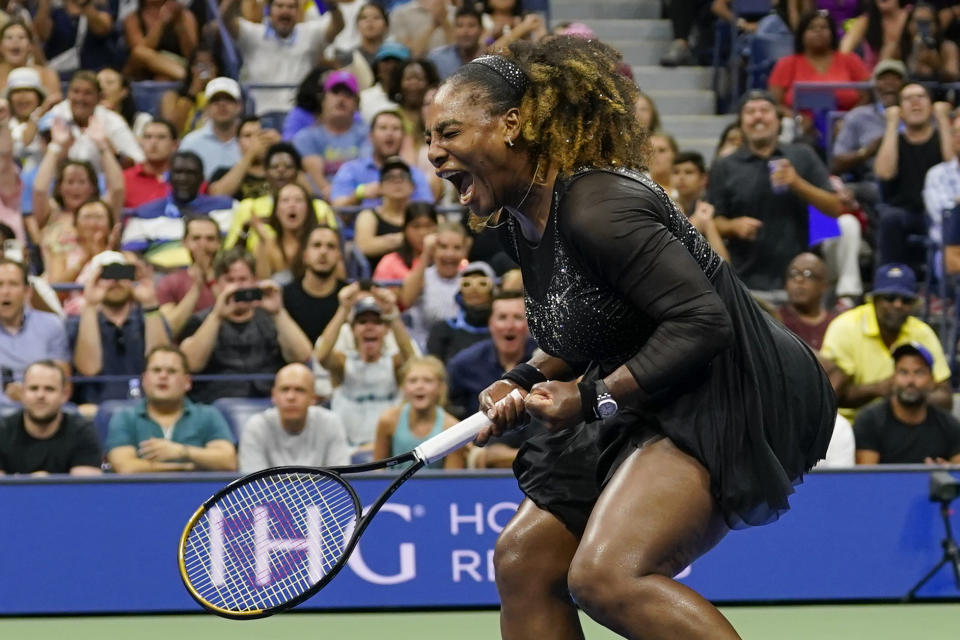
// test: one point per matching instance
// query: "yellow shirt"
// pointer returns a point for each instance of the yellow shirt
(854, 344)
(263, 207)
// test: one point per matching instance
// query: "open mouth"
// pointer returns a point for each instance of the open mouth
(463, 181)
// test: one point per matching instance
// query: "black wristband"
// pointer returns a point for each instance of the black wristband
(147, 310)
(588, 399)
(524, 375)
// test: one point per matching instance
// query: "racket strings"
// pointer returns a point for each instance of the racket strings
(269, 541)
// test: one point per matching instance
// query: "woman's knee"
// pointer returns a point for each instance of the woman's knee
(533, 552)
(604, 590)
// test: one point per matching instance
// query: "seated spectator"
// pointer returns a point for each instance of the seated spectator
(79, 110)
(10, 184)
(817, 59)
(280, 50)
(379, 97)
(419, 221)
(165, 431)
(876, 31)
(422, 25)
(906, 428)
(466, 45)
(26, 335)
(25, 95)
(901, 165)
(282, 235)
(187, 291)
(861, 129)
(429, 291)
(373, 25)
(185, 106)
(76, 34)
(311, 297)
(478, 366)
(648, 117)
(162, 36)
(216, 142)
(929, 56)
(245, 336)
(116, 94)
(664, 149)
(156, 228)
(294, 431)
(857, 345)
(731, 139)
(282, 168)
(148, 181)
(688, 186)
(16, 52)
(358, 181)
(342, 31)
(941, 192)
(804, 313)
(506, 22)
(421, 416)
(469, 324)
(247, 178)
(120, 324)
(761, 193)
(379, 230)
(417, 77)
(365, 381)
(41, 438)
(684, 16)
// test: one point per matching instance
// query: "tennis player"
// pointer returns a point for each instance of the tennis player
(695, 413)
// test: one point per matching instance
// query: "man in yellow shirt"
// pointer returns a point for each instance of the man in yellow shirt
(858, 344)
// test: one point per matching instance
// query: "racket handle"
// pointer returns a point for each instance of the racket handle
(456, 436)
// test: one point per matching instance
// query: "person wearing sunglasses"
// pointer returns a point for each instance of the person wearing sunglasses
(858, 344)
(469, 325)
(804, 312)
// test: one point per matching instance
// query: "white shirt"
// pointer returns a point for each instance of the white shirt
(118, 133)
(265, 443)
(841, 452)
(941, 188)
(268, 59)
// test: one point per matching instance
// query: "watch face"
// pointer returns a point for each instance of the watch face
(607, 408)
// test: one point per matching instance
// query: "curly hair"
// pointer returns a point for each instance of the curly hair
(577, 109)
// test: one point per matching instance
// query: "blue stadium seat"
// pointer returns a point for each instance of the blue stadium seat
(238, 410)
(105, 411)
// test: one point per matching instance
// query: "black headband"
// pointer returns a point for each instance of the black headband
(509, 71)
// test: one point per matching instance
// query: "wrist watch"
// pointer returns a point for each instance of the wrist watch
(606, 406)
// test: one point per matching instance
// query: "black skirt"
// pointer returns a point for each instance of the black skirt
(757, 417)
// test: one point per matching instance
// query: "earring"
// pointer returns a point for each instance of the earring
(510, 142)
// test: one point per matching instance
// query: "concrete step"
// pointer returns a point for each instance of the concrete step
(626, 29)
(641, 52)
(655, 77)
(579, 11)
(704, 146)
(684, 102)
(693, 126)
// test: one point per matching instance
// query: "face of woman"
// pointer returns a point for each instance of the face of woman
(23, 102)
(422, 387)
(817, 38)
(644, 111)
(468, 148)
(282, 170)
(418, 229)
(291, 208)
(111, 87)
(370, 24)
(15, 46)
(75, 187)
(450, 251)
(92, 221)
(413, 85)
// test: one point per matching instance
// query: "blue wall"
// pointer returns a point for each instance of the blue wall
(72, 546)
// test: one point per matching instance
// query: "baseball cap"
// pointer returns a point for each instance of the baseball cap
(24, 78)
(394, 162)
(228, 86)
(341, 78)
(479, 268)
(392, 50)
(890, 65)
(756, 94)
(104, 258)
(895, 279)
(366, 304)
(913, 349)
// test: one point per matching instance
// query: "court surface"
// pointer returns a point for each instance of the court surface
(833, 622)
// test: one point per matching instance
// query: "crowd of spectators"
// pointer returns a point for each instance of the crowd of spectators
(279, 239)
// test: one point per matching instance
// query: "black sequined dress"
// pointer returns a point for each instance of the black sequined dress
(620, 277)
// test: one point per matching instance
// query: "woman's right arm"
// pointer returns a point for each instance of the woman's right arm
(43, 181)
(367, 240)
(854, 35)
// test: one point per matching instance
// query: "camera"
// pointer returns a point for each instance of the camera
(943, 487)
(366, 284)
(117, 271)
(248, 295)
(925, 34)
(13, 250)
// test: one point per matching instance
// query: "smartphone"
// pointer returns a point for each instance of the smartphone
(365, 284)
(117, 271)
(247, 295)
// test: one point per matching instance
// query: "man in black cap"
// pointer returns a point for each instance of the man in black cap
(905, 428)
(761, 193)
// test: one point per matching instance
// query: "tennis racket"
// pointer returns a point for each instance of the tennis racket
(270, 540)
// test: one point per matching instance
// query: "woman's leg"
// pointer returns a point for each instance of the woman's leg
(654, 517)
(531, 561)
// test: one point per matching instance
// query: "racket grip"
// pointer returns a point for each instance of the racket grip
(456, 436)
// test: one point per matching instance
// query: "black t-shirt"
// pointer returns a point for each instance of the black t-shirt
(312, 314)
(913, 162)
(74, 444)
(877, 429)
(241, 347)
(740, 186)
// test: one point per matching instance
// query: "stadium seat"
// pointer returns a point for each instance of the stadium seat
(238, 410)
(105, 411)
